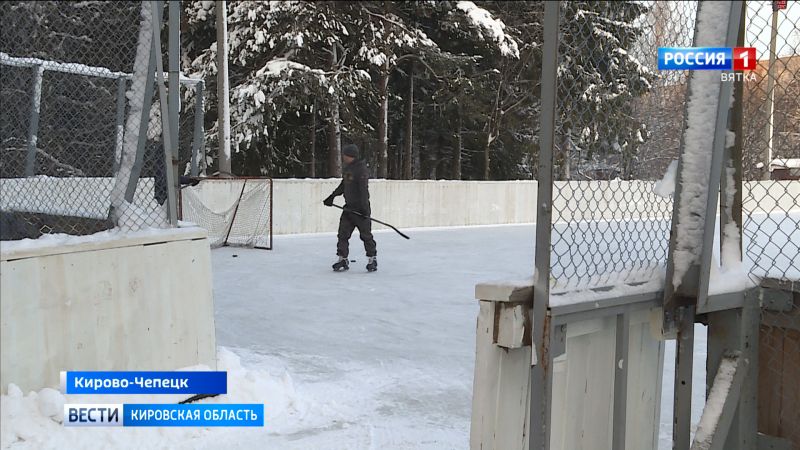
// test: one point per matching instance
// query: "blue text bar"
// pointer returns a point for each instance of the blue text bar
(91, 382)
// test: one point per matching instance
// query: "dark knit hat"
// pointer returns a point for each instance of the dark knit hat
(350, 150)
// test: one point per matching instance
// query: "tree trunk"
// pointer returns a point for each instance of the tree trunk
(409, 147)
(312, 172)
(486, 160)
(334, 131)
(459, 146)
(567, 146)
(383, 93)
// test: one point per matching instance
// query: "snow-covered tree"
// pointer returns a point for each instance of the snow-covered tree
(598, 79)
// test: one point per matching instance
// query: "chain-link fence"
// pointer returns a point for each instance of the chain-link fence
(74, 85)
(771, 152)
(771, 207)
(618, 128)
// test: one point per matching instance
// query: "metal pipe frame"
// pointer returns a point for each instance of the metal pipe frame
(33, 124)
(166, 133)
(541, 388)
(144, 122)
(121, 87)
(174, 46)
(77, 69)
(198, 139)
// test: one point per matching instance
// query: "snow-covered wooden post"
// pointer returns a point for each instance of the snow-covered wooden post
(502, 367)
(696, 200)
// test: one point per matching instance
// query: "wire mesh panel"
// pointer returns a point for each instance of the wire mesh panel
(771, 153)
(771, 170)
(75, 89)
(618, 127)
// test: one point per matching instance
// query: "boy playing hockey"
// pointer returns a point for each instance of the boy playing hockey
(354, 186)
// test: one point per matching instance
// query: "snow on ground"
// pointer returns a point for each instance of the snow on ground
(350, 360)
(33, 420)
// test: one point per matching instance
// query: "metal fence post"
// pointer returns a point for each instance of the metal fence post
(174, 100)
(121, 86)
(33, 126)
(144, 122)
(198, 140)
(541, 371)
(166, 133)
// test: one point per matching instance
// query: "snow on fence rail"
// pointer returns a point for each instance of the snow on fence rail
(88, 197)
(78, 69)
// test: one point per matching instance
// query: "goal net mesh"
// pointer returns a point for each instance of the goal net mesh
(235, 212)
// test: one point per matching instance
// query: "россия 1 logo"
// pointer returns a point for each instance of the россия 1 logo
(706, 58)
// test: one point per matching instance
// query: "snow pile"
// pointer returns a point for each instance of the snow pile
(132, 217)
(62, 240)
(495, 28)
(34, 420)
(698, 141)
(665, 187)
(733, 277)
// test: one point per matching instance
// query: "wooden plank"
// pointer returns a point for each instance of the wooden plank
(501, 389)
(721, 404)
(485, 381)
(770, 362)
(518, 292)
(512, 325)
(766, 442)
(790, 381)
(781, 284)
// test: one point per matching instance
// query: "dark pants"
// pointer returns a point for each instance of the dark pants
(349, 222)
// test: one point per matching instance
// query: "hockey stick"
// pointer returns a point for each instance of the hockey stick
(196, 397)
(370, 218)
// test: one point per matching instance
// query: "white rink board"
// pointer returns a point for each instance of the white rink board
(297, 203)
(123, 303)
(425, 203)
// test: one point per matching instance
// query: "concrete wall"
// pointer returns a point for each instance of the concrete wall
(142, 302)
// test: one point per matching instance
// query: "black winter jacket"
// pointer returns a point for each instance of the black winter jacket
(355, 187)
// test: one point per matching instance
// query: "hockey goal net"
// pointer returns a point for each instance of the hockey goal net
(234, 211)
